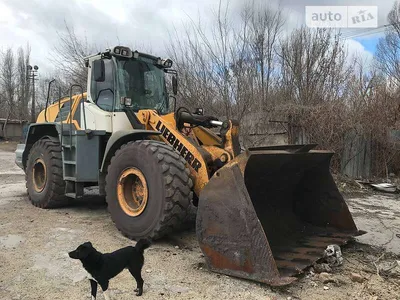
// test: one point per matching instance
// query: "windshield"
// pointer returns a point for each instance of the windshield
(142, 82)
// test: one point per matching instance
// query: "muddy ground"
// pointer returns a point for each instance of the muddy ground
(34, 262)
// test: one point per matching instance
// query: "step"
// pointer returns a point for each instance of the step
(70, 162)
(71, 195)
(68, 146)
(68, 133)
(70, 178)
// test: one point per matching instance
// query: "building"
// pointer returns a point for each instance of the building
(12, 129)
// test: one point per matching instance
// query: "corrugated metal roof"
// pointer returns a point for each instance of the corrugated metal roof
(12, 121)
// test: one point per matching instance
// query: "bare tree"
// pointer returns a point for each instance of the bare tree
(394, 17)
(313, 65)
(8, 85)
(220, 68)
(23, 83)
(266, 26)
(361, 85)
(69, 55)
(8, 79)
(242, 67)
(60, 88)
(388, 49)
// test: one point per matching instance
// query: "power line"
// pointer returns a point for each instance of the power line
(369, 31)
(353, 31)
(365, 33)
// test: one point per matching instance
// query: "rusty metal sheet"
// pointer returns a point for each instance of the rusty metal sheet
(269, 214)
(299, 254)
(230, 234)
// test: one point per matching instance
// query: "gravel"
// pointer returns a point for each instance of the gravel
(34, 263)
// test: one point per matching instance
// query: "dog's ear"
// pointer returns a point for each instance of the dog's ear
(85, 249)
(88, 244)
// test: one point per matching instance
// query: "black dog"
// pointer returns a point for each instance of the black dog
(102, 267)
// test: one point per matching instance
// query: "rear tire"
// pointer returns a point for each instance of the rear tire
(44, 175)
(161, 175)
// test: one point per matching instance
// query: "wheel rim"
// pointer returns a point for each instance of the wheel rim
(132, 192)
(39, 175)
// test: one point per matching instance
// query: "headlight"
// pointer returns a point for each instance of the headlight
(165, 63)
(122, 52)
(126, 101)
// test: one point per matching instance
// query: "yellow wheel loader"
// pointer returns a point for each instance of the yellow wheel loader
(263, 214)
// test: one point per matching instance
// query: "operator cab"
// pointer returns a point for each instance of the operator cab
(121, 79)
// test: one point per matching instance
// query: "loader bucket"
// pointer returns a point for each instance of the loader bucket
(270, 213)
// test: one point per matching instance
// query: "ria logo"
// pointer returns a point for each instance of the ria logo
(363, 16)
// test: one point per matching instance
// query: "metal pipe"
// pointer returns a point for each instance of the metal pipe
(70, 115)
(61, 123)
(47, 100)
(81, 101)
(216, 123)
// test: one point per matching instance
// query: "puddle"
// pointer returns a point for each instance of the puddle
(11, 240)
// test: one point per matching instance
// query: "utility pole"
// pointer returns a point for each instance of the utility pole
(32, 73)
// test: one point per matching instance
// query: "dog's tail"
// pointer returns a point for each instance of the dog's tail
(142, 244)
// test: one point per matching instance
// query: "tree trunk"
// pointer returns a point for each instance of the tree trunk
(5, 126)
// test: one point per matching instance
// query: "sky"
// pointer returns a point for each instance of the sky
(139, 22)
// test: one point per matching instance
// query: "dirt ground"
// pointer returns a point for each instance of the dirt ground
(34, 262)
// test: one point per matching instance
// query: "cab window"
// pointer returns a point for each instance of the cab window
(103, 92)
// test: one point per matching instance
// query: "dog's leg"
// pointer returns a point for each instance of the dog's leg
(139, 281)
(104, 287)
(93, 285)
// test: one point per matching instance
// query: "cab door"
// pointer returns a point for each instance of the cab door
(100, 98)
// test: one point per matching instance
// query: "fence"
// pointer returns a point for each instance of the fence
(11, 129)
(356, 159)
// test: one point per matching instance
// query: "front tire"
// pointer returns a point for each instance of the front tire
(148, 189)
(44, 175)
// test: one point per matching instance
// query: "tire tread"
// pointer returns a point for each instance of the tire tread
(56, 197)
(178, 186)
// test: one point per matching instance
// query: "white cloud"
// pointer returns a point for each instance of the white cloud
(116, 9)
(356, 50)
(130, 22)
(6, 17)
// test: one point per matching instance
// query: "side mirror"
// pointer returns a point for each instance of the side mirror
(199, 111)
(98, 70)
(174, 85)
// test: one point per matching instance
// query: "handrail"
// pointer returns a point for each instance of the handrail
(61, 121)
(83, 103)
(70, 114)
(47, 100)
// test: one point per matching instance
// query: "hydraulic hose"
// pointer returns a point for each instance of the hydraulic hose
(183, 115)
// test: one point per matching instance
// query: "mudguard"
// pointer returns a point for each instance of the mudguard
(121, 137)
